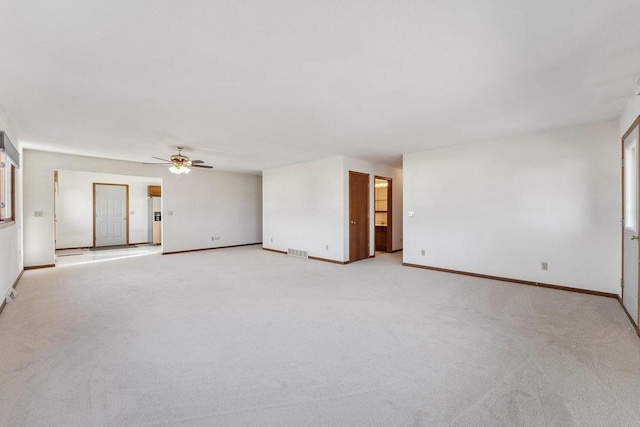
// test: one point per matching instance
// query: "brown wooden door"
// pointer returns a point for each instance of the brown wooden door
(358, 216)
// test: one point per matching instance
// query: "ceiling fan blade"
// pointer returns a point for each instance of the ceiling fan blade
(202, 166)
(168, 163)
(197, 161)
(158, 158)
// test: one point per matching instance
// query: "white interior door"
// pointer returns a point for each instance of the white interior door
(630, 226)
(110, 214)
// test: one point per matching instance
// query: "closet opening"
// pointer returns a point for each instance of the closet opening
(383, 214)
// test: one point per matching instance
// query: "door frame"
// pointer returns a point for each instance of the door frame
(389, 211)
(94, 208)
(368, 213)
(56, 202)
(634, 125)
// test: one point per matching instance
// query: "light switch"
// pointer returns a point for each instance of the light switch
(37, 214)
(412, 213)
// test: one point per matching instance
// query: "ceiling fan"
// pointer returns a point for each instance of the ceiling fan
(180, 164)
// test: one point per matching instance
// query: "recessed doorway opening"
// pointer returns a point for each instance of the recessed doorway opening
(383, 214)
(96, 214)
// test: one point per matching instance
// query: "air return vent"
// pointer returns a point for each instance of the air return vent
(298, 252)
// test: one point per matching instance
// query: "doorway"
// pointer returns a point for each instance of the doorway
(358, 216)
(630, 221)
(383, 215)
(110, 214)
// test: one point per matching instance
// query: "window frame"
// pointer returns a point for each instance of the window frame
(8, 170)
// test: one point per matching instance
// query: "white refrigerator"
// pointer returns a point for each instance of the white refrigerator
(155, 220)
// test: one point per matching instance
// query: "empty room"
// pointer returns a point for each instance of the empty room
(294, 213)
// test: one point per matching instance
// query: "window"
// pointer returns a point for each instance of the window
(7, 189)
(631, 185)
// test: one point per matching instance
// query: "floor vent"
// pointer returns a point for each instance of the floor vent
(298, 252)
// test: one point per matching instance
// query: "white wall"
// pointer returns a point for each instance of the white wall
(502, 207)
(11, 235)
(204, 204)
(629, 114)
(74, 205)
(306, 206)
(227, 206)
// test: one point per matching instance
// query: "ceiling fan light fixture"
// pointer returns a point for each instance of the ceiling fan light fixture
(181, 164)
(179, 169)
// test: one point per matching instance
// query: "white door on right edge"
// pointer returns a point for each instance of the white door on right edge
(630, 223)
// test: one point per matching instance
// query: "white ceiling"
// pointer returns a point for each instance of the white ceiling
(251, 85)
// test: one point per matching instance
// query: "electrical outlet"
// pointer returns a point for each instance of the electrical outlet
(544, 265)
(169, 213)
(326, 247)
(272, 240)
(131, 212)
(213, 238)
(422, 252)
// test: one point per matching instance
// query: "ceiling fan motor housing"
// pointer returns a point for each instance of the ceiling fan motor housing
(179, 159)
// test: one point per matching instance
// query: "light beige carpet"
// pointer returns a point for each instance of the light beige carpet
(245, 337)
